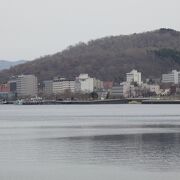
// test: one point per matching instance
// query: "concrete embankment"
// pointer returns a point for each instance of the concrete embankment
(115, 101)
(110, 101)
(161, 102)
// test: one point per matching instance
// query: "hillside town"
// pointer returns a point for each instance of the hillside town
(85, 87)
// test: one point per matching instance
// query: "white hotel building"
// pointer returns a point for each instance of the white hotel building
(173, 77)
(83, 83)
(134, 76)
(86, 83)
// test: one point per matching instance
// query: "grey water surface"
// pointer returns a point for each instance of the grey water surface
(90, 142)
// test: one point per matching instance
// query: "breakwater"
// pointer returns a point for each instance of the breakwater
(114, 101)
(109, 101)
(161, 102)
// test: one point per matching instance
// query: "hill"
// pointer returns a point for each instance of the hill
(109, 58)
(7, 64)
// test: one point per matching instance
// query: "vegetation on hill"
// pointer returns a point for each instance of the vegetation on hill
(172, 54)
(109, 58)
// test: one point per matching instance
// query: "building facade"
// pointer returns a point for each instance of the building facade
(123, 90)
(98, 84)
(86, 83)
(134, 76)
(107, 85)
(4, 88)
(173, 77)
(12, 85)
(60, 85)
(155, 89)
(151, 88)
(27, 85)
(48, 87)
(4, 91)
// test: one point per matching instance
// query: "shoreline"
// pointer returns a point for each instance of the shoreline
(111, 101)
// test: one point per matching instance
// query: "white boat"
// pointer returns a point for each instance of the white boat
(19, 102)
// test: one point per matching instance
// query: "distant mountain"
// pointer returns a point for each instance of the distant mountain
(7, 64)
(109, 58)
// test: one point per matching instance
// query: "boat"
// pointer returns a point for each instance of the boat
(19, 102)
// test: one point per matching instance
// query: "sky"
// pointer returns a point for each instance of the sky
(30, 29)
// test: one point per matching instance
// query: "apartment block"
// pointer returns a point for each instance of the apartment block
(60, 85)
(173, 77)
(27, 85)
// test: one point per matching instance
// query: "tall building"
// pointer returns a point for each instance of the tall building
(48, 87)
(60, 85)
(134, 76)
(86, 83)
(12, 83)
(173, 77)
(27, 85)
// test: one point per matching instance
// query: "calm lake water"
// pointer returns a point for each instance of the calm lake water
(91, 142)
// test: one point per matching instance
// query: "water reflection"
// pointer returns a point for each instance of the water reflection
(34, 140)
(152, 152)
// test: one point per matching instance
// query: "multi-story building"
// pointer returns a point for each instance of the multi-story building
(117, 91)
(98, 84)
(4, 88)
(48, 87)
(60, 85)
(173, 77)
(4, 91)
(86, 83)
(123, 90)
(134, 76)
(155, 88)
(12, 84)
(151, 88)
(27, 85)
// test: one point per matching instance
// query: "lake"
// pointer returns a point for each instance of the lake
(90, 142)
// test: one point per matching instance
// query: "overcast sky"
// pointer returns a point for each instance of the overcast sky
(34, 28)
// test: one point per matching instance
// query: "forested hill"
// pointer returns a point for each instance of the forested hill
(109, 58)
